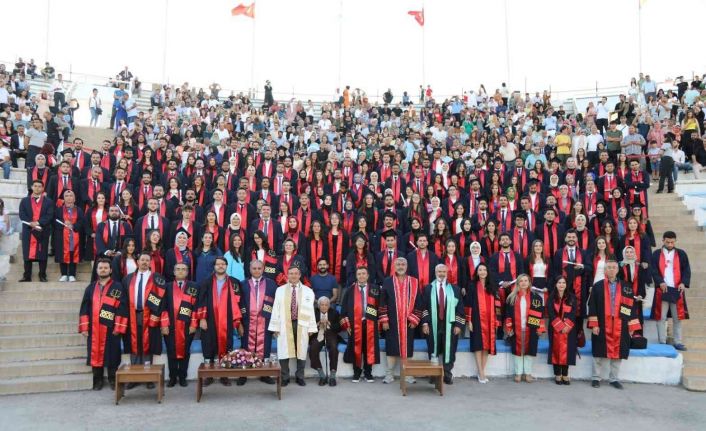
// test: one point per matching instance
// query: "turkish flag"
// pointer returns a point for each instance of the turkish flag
(418, 16)
(241, 9)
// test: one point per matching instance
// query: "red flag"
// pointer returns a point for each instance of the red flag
(241, 9)
(418, 16)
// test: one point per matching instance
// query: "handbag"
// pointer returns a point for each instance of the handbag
(581, 339)
(671, 295)
(99, 110)
(638, 342)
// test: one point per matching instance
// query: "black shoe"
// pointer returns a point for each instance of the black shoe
(43, 278)
(25, 280)
(225, 381)
(111, 382)
(659, 191)
(323, 381)
(98, 385)
(149, 385)
(241, 381)
(595, 383)
(300, 381)
(567, 382)
(131, 385)
(172, 382)
(268, 380)
(332, 381)
(208, 381)
(369, 378)
(285, 382)
(356, 378)
(182, 382)
(616, 385)
(448, 380)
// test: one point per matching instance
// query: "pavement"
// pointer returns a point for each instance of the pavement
(498, 405)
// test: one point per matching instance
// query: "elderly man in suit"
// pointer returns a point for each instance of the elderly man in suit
(328, 324)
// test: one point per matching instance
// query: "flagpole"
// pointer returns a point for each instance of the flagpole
(340, 41)
(424, 47)
(639, 34)
(164, 43)
(252, 59)
(507, 46)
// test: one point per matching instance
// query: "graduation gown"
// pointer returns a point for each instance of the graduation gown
(353, 261)
(35, 243)
(534, 325)
(616, 323)
(103, 315)
(576, 278)
(453, 317)
(682, 274)
(103, 240)
(174, 256)
(352, 313)
(483, 310)
(637, 278)
(562, 347)
(180, 311)
(67, 246)
(281, 321)
(256, 314)
(400, 306)
(222, 313)
(152, 317)
(422, 268)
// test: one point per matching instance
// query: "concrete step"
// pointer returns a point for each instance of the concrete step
(48, 317)
(20, 306)
(83, 270)
(12, 199)
(694, 356)
(61, 383)
(42, 354)
(12, 286)
(43, 341)
(18, 174)
(43, 295)
(15, 370)
(694, 383)
(695, 341)
(13, 186)
(11, 329)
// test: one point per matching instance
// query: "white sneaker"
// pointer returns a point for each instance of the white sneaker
(72, 279)
(410, 380)
(389, 378)
(482, 381)
(64, 278)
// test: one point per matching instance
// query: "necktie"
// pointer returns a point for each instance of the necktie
(503, 221)
(181, 285)
(507, 263)
(65, 180)
(267, 223)
(146, 190)
(572, 257)
(442, 305)
(139, 306)
(95, 185)
(152, 224)
(388, 267)
(114, 235)
(257, 292)
(362, 299)
(117, 189)
(550, 239)
(295, 309)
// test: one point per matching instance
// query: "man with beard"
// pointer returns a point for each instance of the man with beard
(573, 263)
(323, 283)
(111, 233)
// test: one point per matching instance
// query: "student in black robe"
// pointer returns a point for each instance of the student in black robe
(561, 309)
(524, 321)
(68, 226)
(37, 216)
(103, 319)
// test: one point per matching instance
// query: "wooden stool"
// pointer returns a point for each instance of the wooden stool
(139, 374)
(213, 371)
(416, 368)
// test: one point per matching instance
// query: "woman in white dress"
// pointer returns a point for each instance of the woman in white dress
(600, 255)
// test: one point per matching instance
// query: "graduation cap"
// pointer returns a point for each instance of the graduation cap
(637, 205)
(532, 181)
(296, 264)
(67, 151)
(182, 231)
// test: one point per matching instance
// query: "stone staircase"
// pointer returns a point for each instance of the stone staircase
(668, 213)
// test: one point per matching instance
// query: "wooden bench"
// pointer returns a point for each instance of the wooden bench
(416, 368)
(139, 374)
(215, 372)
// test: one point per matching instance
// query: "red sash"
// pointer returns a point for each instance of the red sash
(550, 249)
(220, 309)
(358, 313)
(513, 264)
(270, 232)
(304, 221)
(35, 245)
(608, 185)
(336, 259)
(179, 325)
(423, 268)
(405, 296)
(635, 242)
(451, 263)
(43, 179)
(316, 251)
(578, 279)
(521, 247)
(99, 332)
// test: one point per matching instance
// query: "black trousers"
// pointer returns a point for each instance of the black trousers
(440, 340)
(32, 152)
(367, 368)
(98, 374)
(42, 268)
(113, 112)
(68, 269)
(18, 154)
(140, 357)
(602, 125)
(178, 367)
(561, 370)
(666, 169)
(284, 363)
(59, 100)
(315, 346)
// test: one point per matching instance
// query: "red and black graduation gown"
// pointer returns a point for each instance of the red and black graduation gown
(356, 260)
(67, 241)
(615, 323)
(38, 174)
(483, 310)
(256, 312)
(562, 314)
(552, 238)
(222, 313)
(175, 256)
(577, 279)
(91, 227)
(180, 310)
(682, 274)
(103, 315)
(284, 263)
(422, 266)
(500, 271)
(400, 307)
(637, 278)
(637, 184)
(315, 249)
(337, 247)
(35, 243)
(152, 317)
(640, 243)
(525, 344)
(522, 242)
(363, 347)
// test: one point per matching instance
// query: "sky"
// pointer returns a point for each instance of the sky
(557, 44)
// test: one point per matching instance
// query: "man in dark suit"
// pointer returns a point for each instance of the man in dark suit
(37, 216)
(91, 186)
(269, 226)
(256, 300)
(505, 266)
(18, 146)
(328, 323)
(63, 180)
(81, 158)
(95, 161)
(151, 221)
(111, 233)
(422, 261)
(118, 186)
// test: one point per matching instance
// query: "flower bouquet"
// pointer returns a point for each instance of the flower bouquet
(240, 358)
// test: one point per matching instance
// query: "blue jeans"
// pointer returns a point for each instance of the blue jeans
(6, 169)
(686, 167)
(94, 117)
